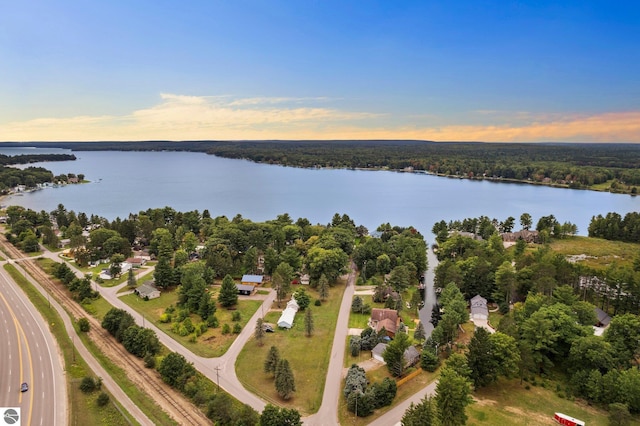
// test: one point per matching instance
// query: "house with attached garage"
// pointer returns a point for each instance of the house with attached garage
(147, 291)
(385, 318)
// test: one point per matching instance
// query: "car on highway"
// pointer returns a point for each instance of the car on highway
(24, 387)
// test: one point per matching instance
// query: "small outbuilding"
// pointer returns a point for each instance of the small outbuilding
(245, 290)
(253, 280)
(289, 314)
(148, 290)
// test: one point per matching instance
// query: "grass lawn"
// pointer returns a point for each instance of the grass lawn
(211, 343)
(307, 356)
(494, 319)
(600, 252)
(505, 401)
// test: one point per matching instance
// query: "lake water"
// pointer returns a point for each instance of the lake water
(128, 182)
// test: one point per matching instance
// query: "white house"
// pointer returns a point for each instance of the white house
(479, 310)
(289, 314)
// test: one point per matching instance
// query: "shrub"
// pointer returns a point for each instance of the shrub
(317, 302)
(213, 322)
(88, 384)
(237, 328)
(226, 329)
(149, 361)
(236, 316)
(83, 325)
(103, 399)
(165, 318)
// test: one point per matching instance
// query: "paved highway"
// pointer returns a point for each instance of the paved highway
(28, 353)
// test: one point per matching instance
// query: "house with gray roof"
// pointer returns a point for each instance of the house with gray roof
(147, 291)
(479, 309)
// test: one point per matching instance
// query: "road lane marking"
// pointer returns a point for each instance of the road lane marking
(15, 324)
(20, 331)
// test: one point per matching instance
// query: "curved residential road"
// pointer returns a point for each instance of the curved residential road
(29, 353)
(219, 370)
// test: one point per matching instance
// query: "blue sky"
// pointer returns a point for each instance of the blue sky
(475, 70)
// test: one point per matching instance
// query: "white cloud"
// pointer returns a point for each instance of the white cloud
(180, 117)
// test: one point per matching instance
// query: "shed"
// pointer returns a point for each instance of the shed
(411, 356)
(603, 319)
(253, 280)
(148, 290)
(378, 350)
(245, 290)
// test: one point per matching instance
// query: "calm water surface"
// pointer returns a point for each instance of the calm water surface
(128, 182)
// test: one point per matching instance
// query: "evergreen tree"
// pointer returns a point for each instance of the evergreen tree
(308, 322)
(131, 279)
(394, 354)
(425, 413)
(452, 396)
(228, 292)
(323, 287)
(285, 383)
(271, 363)
(259, 332)
(481, 359)
(418, 334)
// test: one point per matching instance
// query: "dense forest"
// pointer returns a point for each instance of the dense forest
(614, 227)
(30, 177)
(607, 167)
(549, 306)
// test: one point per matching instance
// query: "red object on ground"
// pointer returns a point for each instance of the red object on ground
(563, 419)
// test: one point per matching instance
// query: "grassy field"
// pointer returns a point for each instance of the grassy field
(308, 356)
(506, 401)
(83, 409)
(599, 252)
(211, 343)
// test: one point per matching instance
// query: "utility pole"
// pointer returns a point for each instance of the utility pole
(218, 376)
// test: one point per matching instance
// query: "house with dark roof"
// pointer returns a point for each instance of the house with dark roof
(245, 290)
(525, 234)
(603, 319)
(385, 318)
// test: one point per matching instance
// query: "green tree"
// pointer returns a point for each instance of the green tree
(274, 416)
(83, 324)
(285, 383)
(308, 323)
(175, 370)
(394, 354)
(228, 292)
(453, 394)
(425, 413)
(271, 362)
(131, 279)
(505, 353)
(419, 334)
(281, 280)
(481, 359)
(323, 287)
(623, 334)
(259, 332)
(302, 299)
(526, 221)
(619, 414)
